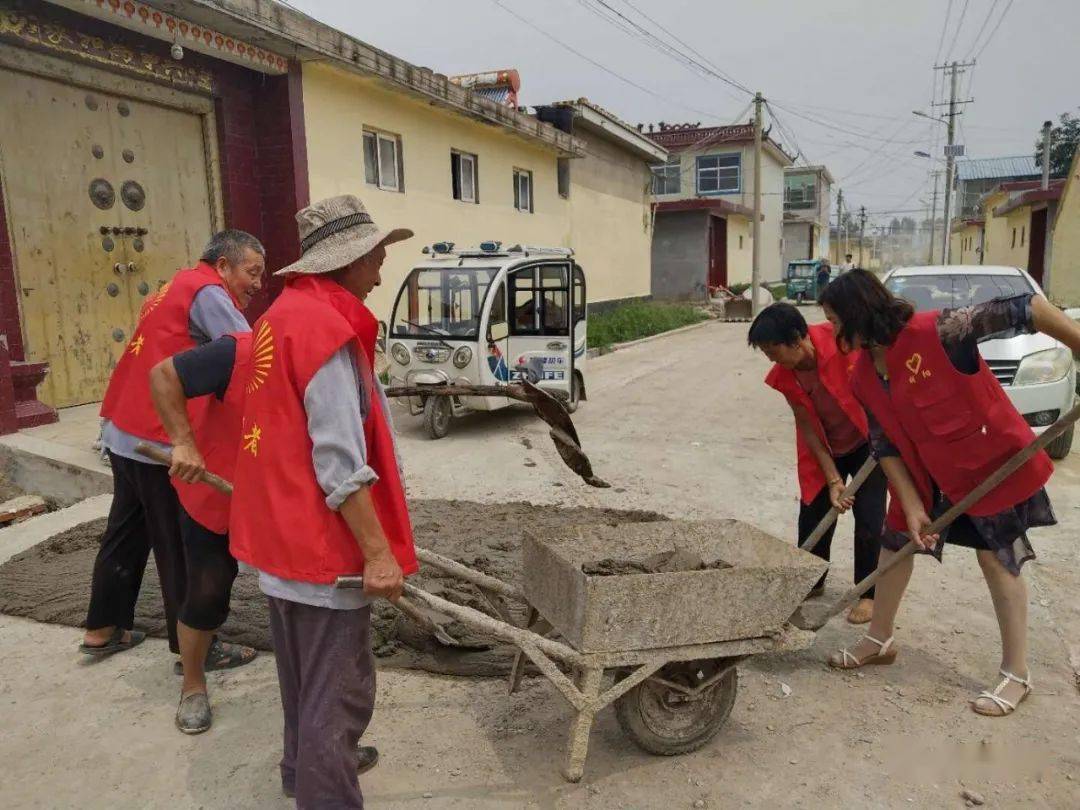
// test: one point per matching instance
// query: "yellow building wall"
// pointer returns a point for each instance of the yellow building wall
(968, 236)
(996, 247)
(740, 251)
(1018, 222)
(610, 221)
(1065, 253)
(337, 108)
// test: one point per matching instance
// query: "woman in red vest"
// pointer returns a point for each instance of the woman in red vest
(830, 435)
(940, 424)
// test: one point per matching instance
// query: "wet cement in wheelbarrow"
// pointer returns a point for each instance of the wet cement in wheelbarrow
(51, 581)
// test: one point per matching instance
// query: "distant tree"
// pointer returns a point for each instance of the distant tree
(907, 225)
(1064, 138)
(894, 226)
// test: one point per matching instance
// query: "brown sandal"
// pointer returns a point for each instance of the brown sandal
(883, 657)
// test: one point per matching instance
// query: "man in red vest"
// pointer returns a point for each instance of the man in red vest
(318, 489)
(830, 435)
(198, 305)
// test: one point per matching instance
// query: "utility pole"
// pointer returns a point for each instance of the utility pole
(1047, 129)
(755, 270)
(933, 219)
(955, 69)
(839, 220)
(862, 230)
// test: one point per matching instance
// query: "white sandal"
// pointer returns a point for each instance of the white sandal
(1005, 707)
(884, 656)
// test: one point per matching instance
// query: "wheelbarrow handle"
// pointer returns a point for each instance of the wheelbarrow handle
(163, 457)
(960, 507)
(830, 517)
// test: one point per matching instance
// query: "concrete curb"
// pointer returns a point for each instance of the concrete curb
(19, 537)
(616, 346)
(65, 475)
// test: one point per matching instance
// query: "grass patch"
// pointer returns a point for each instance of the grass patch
(639, 319)
(778, 290)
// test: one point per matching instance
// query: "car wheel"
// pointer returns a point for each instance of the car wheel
(1060, 447)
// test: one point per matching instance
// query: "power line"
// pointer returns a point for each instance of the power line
(959, 25)
(944, 30)
(594, 63)
(1001, 19)
(982, 28)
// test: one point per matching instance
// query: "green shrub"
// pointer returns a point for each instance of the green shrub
(639, 319)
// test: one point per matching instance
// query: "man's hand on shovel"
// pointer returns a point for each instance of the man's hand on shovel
(187, 463)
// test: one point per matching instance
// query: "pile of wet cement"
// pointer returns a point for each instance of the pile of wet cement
(663, 562)
(51, 581)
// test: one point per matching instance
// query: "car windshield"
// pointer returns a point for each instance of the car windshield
(800, 271)
(444, 302)
(952, 290)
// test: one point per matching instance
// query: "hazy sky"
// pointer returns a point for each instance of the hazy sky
(858, 67)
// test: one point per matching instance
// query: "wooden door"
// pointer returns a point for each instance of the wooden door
(1037, 246)
(717, 252)
(104, 200)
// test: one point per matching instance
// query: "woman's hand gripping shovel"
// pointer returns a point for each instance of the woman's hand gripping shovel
(814, 617)
(406, 606)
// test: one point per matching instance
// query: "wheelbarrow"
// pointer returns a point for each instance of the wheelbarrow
(653, 618)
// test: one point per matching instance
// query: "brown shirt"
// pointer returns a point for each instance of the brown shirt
(841, 434)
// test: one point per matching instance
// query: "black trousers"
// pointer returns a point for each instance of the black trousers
(211, 570)
(869, 513)
(144, 516)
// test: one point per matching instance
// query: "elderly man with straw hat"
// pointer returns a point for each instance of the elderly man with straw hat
(318, 492)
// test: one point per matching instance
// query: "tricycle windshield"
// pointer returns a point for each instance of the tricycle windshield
(800, 270)
(438, 301)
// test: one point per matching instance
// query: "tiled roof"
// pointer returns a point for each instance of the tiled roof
(995, 168)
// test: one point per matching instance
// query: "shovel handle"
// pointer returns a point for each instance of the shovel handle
(830, 517)
(163, 457)
(960, 507)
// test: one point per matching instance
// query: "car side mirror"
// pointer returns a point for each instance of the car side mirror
(498, 331)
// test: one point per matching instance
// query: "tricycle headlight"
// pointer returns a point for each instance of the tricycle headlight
(1047, 366)
(463, 356)
(401, 354)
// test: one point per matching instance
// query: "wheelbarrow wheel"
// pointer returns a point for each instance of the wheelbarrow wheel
(437, 414)
(666, 721)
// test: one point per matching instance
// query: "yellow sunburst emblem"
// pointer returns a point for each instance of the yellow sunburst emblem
(136, 345)
(155, 299)
(262, 357)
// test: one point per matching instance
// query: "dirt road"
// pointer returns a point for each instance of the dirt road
(680, 425)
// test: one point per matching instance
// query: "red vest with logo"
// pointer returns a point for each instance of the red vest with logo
(161, 332)
(280, 522)
(951, 428)
(834, 368)
(217, 435)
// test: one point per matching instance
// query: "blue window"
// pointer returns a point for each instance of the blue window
(719, 174)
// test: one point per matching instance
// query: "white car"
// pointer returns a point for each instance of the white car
(1037, 372)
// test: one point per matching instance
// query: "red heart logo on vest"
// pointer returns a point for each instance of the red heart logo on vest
(914, 363)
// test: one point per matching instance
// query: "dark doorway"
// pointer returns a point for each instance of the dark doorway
(1037, 245)
(717, 252)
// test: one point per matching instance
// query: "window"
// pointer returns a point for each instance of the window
(541, 297)
(667, 178)
(564, 178)
(1023, 233)
(523, 195)
(740, 242)
(719, 174)
(463, 177)
(382, 161)
(1014, 238)
(579, 294)
(800, 191)
(441, 303)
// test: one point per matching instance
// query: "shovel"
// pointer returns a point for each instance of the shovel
(163, 457)
(830, 517)
(814, 617)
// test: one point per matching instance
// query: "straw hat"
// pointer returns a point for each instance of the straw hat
(336, 232)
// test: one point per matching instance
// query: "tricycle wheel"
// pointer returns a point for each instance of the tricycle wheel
(665, 721)
(800, 298)
(437, 414)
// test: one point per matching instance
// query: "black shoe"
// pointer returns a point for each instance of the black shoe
(193, 715)
(367, 758)
(222, 655)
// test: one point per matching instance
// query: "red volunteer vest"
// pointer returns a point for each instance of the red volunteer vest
(280, 522)
(217, 436)
(161, 332)
(834, 369)
(953, 428)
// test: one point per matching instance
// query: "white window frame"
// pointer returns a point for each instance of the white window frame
(474, 176)
(699, 170)
(666, 173)
(383, 141)
(527, 176)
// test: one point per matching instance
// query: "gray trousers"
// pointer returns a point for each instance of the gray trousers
(326, 672)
